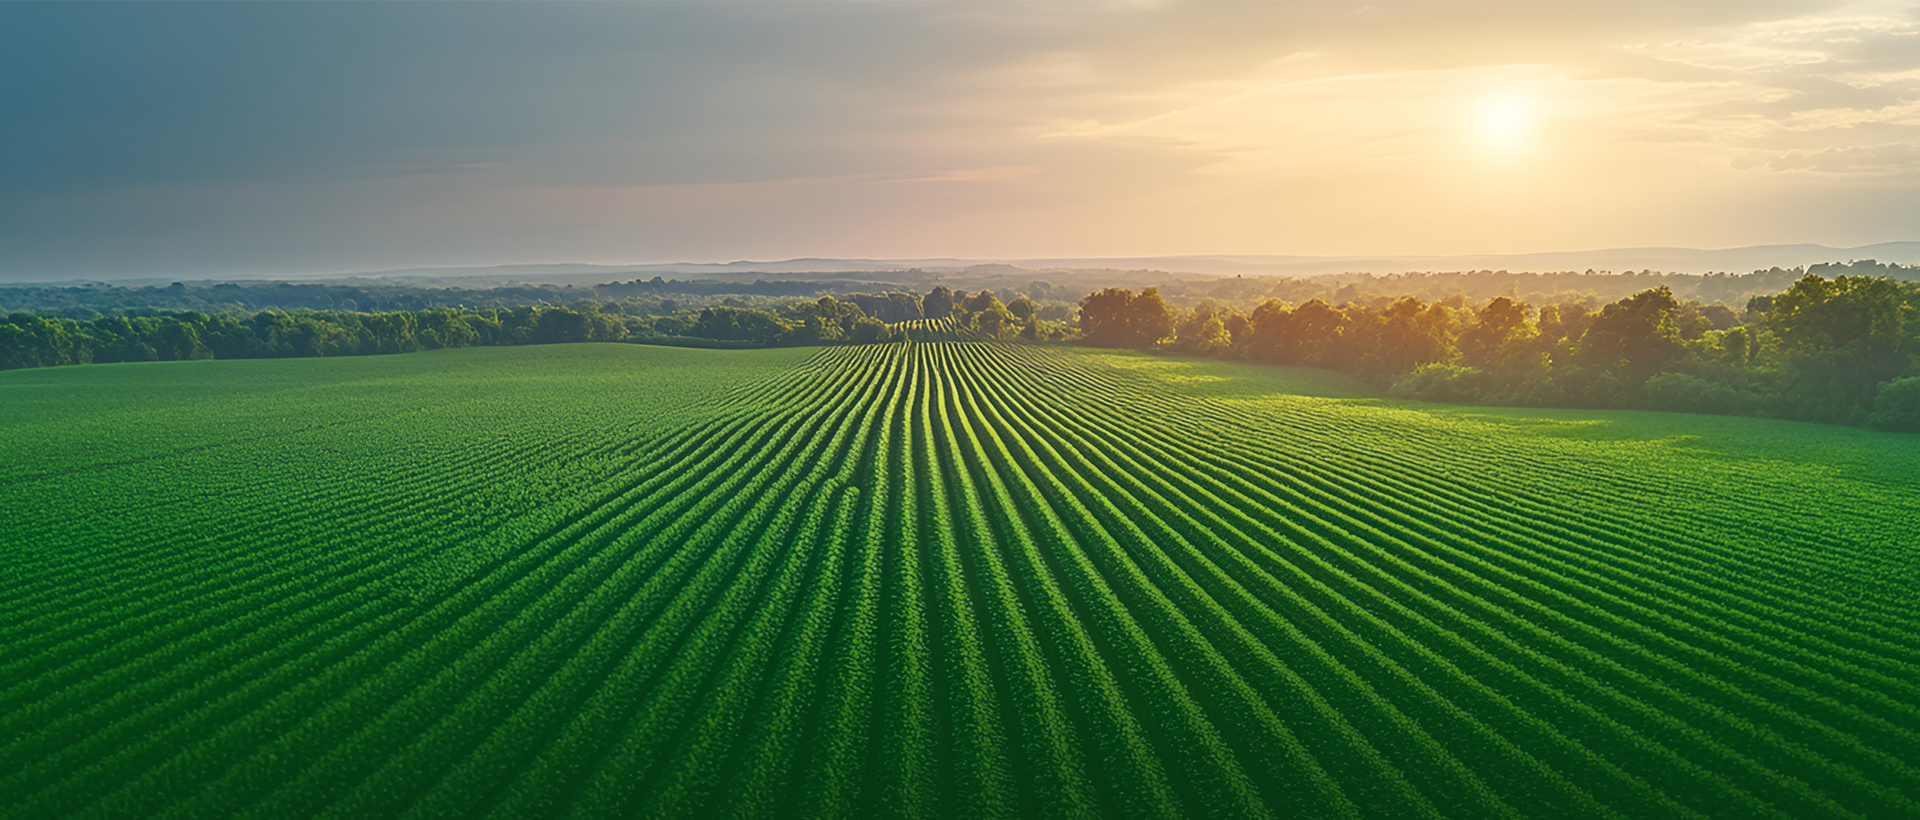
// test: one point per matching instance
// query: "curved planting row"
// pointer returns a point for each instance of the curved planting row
(952, 578)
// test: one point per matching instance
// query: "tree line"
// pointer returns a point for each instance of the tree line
(35, 340)
(1841, 350)
(1536, 288)
(90, 300)
(82, 334)
(30, 339)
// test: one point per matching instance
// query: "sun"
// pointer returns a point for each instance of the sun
(1504, 123)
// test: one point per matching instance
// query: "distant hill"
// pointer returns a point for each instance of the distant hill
(1120, 270)
(1667, 260)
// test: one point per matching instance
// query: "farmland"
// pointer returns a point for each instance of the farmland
(933, 578)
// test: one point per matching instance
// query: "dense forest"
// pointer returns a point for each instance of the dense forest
(1840, 349)
(88, 300)
(1533, 288)
(91, 300)
(38, 340)
(81, 334)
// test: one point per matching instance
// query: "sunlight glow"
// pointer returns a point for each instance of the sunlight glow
(1504, 123)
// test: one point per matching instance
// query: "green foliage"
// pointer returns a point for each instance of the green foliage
(938, 303)
(31, 340)
(1501, 339)
(868, 330)
(1203, 330)
(1407, 336)
(1312, 334)
(1847, 336)
(1633, 338)
(1689, 394)
(931, 579)
(1149, 318)
(1439, 382)
(738, 324)
(559, 325)
(1896, 406)
(1115, 317)
(1818, 352)
(1847, 313)
(1104, 318)
(892, 307)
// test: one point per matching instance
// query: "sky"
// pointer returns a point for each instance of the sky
(235, 139)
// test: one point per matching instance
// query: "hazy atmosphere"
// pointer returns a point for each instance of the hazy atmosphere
(926, 410)
(235, 140)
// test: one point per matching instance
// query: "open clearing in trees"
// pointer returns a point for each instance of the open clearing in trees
(932, 579)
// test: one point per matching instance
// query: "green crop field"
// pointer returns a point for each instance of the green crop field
(930, 579)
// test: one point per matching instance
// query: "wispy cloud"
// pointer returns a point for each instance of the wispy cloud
(1836, 91)
(284, 135)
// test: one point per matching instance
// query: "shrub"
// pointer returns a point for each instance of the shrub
(1897, 406)
(1438, 382)
(1683, 393)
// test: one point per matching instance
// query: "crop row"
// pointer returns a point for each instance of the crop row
(954, 578)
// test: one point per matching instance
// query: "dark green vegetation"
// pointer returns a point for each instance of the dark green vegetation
(31, 340)
(933, 579)
(1542, 288)
(145, 335)
(1845, 350)
(75, 300)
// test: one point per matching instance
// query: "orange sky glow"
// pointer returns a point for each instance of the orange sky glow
(1408, 128)
(696, 132)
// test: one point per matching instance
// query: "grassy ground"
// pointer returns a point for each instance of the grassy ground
(942, 579)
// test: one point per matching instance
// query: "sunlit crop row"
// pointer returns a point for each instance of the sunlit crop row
(939, 577)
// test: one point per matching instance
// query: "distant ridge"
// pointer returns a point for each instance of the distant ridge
(1665, 260)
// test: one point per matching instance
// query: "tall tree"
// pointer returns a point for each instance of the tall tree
(1204, 329)
(938, 303)
(1817, 314)
(1848, 335)
(1635, 337)
(1406, 335)
(1502, 340)
(1105, 318)
(555, 325)
(1149, 319)
(1308, 334)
